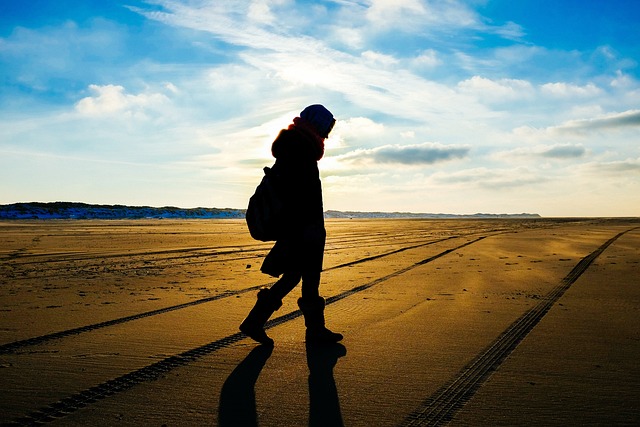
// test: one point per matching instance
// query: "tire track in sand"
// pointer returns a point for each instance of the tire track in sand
(441, 407)
(76, 401)
(14, 346)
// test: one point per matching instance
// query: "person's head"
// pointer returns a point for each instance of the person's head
(320, 118)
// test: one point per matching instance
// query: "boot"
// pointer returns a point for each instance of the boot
(317, 333)
(253, 325)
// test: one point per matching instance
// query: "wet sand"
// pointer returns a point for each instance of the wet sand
(471, 322)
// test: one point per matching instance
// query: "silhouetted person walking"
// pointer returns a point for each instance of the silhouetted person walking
(298, 251)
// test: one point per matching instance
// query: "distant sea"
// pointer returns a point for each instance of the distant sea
(73, 210)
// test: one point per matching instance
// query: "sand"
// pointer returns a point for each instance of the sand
(466, 322)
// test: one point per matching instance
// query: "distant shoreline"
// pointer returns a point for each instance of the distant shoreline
(77, 210)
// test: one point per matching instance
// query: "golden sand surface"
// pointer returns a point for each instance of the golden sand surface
(470, 322)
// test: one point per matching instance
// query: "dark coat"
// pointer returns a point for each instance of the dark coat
(300, 247)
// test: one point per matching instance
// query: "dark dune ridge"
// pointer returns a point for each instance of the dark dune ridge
(73, 210)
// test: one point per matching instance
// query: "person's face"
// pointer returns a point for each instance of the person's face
(330, 128)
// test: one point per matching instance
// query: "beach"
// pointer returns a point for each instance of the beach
(465, 322)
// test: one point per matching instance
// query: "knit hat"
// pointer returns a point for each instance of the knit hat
(320, 118)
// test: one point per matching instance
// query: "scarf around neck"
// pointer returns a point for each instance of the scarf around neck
(309, 130)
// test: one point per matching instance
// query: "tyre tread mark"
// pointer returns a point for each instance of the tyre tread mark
(14, 346)
(72, 403)
(441, 407)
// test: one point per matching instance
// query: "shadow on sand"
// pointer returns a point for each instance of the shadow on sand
(238, 398)
(324, 405)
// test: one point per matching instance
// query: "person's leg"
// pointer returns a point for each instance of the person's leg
(285, 284)
(312, 306)
(253, 324)
(269, 300)
(311, 285)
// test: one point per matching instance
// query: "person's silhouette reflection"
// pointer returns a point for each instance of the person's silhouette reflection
(237, 397)
(324, 405)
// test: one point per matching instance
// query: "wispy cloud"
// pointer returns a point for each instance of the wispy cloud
(490, 178)
(628, 167)
(411, 155)
(623, 125)
(303, 59)
(503, 90)
(625, 119)
(564, 152)
(558, 152)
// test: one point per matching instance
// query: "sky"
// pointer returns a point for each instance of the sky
(449, 106)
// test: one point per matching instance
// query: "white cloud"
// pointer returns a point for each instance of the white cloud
(111, 99)
(379, 58)
(622, 81)
(498, 59)
(394, 13)
(564, 90)
(431, 16)
(171, 87)
(355, 131)
(496, 90)
(260, 12)
(510, 30)
(408, 134)
(350, 37)
(229, 21)
(358, 127)
(427, 59)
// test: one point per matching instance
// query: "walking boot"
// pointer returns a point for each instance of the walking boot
(253, 325)
(317, 333)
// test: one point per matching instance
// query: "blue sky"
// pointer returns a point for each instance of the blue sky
(443, 106)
